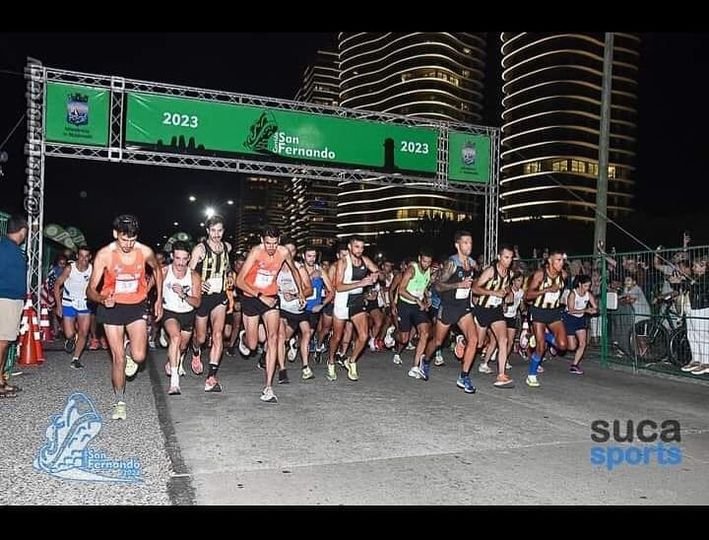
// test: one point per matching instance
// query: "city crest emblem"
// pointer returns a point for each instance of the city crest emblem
(469, 153)
(77, 109)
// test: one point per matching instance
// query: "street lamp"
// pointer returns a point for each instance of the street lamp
(192, 198)
(230, 202)
(209, 211)
(175, 223)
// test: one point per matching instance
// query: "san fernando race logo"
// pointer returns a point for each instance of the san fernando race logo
(65, 453)
(261, 132)
(77, 109)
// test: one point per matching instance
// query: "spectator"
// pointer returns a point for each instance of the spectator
(13, 289)
(698, 319)
(634, 297)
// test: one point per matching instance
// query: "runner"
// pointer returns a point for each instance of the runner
(121, 302)
(182, 295)
(257, 280)
(71, 304)
(453, 285)
(353, 272)
(210, 258)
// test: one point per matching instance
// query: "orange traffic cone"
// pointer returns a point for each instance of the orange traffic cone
(28, 348)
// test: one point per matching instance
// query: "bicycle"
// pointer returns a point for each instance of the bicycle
(664, 335)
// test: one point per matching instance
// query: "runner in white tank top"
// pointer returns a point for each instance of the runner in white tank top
(181, 296)
(71, 305)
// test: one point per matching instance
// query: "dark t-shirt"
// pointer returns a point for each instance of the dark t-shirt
(13, 270)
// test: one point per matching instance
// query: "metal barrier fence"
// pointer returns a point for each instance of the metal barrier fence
(653, 307)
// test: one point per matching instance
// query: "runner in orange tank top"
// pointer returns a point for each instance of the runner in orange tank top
(257, 280)
(122, 301)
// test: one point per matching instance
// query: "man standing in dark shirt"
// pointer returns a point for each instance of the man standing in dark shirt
(13, 289)
(698, 318)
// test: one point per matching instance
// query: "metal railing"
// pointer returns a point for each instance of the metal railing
(653, 325)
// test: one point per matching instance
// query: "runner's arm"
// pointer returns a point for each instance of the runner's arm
(59, 283)
(241, 276)
(532, 291)
(197, 255)
(99, 267)
(444, 276)
(330, 296)
(195, 299)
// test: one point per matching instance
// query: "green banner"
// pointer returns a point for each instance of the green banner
(468, 158)
(76, 114)
(174, 124)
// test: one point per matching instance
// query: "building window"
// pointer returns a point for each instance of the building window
(611, 171)
(592, 168)
(533, 167)
(560, 165)
(578, 166)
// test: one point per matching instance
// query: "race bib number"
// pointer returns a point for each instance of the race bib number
(551, 297)
(80, 304)
(461, 294)
(215, 285)
(263, 280)
(494, 301)
(126, 286)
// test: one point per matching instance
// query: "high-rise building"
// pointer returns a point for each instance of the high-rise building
(262, 201)
(551, 123)
(437, 75)
(312, 204)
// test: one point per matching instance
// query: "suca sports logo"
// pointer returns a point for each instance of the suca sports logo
(77, 109)
(469, 153)
(65, 453)
(644, 443)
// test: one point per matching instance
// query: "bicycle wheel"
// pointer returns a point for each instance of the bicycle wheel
(680, 352)
(649, 341)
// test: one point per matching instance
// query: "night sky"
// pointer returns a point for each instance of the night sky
(673, 115)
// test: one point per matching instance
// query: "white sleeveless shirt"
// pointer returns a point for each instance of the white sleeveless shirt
(74, 294)
(170, 299)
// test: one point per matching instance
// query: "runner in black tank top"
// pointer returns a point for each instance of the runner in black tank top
(544, 293)
(453, 285)
(493, 288)
(211, 260)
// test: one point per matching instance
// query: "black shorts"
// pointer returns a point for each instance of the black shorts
(314, 318)
(209, 302)
(328, 309)
(451, 313)
(254, 307)
(186, 320)
(121, 314)
(544, 315)
(511, 323)
(294, 319)
(574, 324)
(371, 305)
(356, 304)
(410, 315)
(487, 316)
